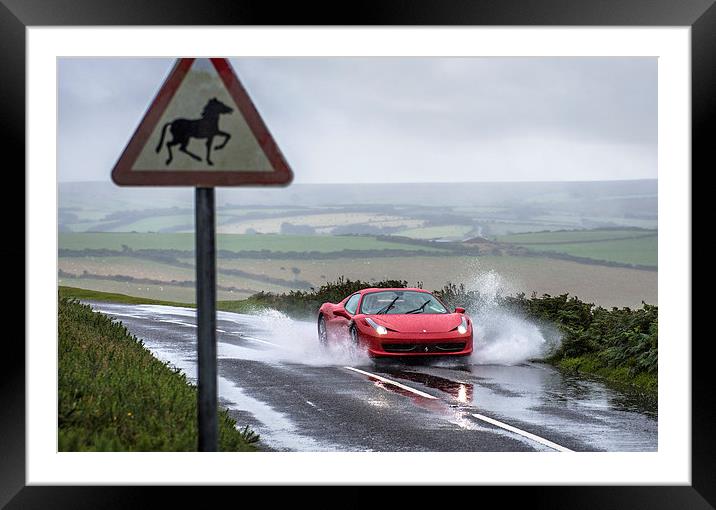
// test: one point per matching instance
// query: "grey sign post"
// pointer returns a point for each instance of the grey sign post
(188, 137)
(206, 318)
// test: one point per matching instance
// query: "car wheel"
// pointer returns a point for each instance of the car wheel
(322, 333)
(354, 335)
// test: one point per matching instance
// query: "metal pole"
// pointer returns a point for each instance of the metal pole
(206, 318)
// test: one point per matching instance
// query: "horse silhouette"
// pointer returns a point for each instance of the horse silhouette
(205, 127)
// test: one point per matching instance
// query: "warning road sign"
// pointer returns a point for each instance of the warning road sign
(202, 130)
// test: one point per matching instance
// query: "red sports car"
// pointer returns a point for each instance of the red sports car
(397, 322)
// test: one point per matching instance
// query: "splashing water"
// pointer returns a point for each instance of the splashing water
(501, 336)
(288, 340)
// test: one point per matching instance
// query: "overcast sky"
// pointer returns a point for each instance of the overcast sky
(398, 119)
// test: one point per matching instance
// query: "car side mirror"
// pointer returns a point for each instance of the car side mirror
(459, 309)
(341, 312)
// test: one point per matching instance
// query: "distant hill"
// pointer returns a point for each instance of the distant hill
(456, 211)
(431, 194)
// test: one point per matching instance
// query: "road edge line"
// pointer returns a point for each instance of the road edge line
(391, 382)
(524, 433)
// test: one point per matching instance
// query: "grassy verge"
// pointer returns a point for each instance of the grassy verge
(642, 382)
(239, 306)
(94, 295)
(114, 395)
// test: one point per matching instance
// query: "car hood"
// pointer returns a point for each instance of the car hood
(418, 322)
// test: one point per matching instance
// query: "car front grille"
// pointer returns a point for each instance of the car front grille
(423, 347)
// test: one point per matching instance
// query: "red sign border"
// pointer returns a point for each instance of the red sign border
(123, 175)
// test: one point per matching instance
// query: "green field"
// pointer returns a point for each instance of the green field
(230, 242)
(438, 232)
(641, 251)
(574, 236)
(639, 247)
(156, 223)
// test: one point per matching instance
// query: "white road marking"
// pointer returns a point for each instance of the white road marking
(482, 417)
(390, 381)
(526, 434)
(181, 323)
(259, 340)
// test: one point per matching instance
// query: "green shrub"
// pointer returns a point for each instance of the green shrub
(622, 341)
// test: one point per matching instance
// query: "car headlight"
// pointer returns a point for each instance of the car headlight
(462, 328)
(377, 327)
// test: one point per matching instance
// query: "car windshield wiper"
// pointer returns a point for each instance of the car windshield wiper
(420, 308)
(386, 308)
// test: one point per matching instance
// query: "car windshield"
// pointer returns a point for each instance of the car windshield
(400, 302)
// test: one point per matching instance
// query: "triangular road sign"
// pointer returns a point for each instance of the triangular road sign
(202, 130)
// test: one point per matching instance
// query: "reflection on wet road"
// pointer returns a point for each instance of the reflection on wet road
(274, 377)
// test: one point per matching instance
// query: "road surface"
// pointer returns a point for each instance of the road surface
(274, 378)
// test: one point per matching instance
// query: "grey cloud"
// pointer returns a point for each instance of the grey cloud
(399, 119)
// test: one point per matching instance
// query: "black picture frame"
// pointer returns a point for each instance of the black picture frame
(700, 15)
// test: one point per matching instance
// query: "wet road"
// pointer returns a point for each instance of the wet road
(274, 378)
